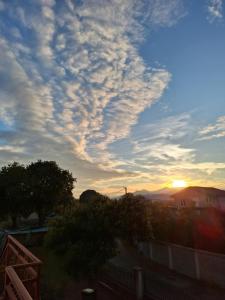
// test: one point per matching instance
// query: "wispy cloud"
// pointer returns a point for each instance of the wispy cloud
(160, 140)
(169, 128)
(212, 131)
(166, 13)
(166, 152)
(215, 10)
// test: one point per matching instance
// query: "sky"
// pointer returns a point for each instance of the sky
(120, 92)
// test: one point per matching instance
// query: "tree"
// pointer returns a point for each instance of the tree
(90, 196)
(132, 218)
(163, 222)
(49, 186)
(13, 191)
(84, 237)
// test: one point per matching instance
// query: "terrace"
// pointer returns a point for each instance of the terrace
(19, 272)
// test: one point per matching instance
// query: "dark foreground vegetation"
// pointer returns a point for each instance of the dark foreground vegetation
(85, 236)
(191, 227)
(84, 233)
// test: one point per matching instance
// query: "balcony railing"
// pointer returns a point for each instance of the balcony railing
(21, 272)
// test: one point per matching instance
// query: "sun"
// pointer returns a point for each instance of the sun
(179, 183)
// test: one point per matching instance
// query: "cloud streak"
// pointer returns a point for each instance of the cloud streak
(213, 131)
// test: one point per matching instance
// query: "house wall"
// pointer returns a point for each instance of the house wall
(201, 202)
(221, 203)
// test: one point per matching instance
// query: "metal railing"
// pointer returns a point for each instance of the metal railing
(21, 272)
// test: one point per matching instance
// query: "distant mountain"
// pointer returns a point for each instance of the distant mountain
(178, 193)
(169, 191)
(143, 192)
(162, 194)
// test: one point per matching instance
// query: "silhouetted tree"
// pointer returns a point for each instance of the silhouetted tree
(13, 192)
(49, 186)
(163, 222)
(132, 218)
(90, 196)
(84, 238)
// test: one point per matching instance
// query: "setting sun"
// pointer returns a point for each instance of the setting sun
(178, 183)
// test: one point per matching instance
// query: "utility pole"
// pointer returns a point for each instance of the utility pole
(125, 189)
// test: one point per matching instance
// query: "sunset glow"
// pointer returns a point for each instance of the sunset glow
(179, 183)
(104, 89)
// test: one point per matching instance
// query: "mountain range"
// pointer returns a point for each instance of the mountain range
(166, 193)
(162, 194)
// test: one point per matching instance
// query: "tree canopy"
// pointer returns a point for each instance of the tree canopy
(132, 218)
(39, 187)
(49, 186)
(14, 191)
(86, 236)
(90, 196)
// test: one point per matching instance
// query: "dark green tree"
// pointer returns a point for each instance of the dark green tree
(163, 222)
(90, 196)
(49, 187)
(84, 237)
(133, 218)
(14, 192)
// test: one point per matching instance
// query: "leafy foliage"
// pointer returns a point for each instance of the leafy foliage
(132, 218)
(40, 187)
(85, 237)
(13, 191)
(49, 186)
(191, 227)
(90, 196)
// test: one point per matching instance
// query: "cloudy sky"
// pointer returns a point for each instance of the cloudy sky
(120, 92)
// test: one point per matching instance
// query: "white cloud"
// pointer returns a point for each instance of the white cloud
(161, 140)
(166, 152)
(12, 149)
(170, 128)
(166, 13)
(215, 10)
(212, 131)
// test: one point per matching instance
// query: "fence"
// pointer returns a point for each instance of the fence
(141, 284)
(21, 271)
(197, 264)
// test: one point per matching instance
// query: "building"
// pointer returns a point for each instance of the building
(200, 197)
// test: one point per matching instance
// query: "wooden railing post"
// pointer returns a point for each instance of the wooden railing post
(88, 294)
(139, 283)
